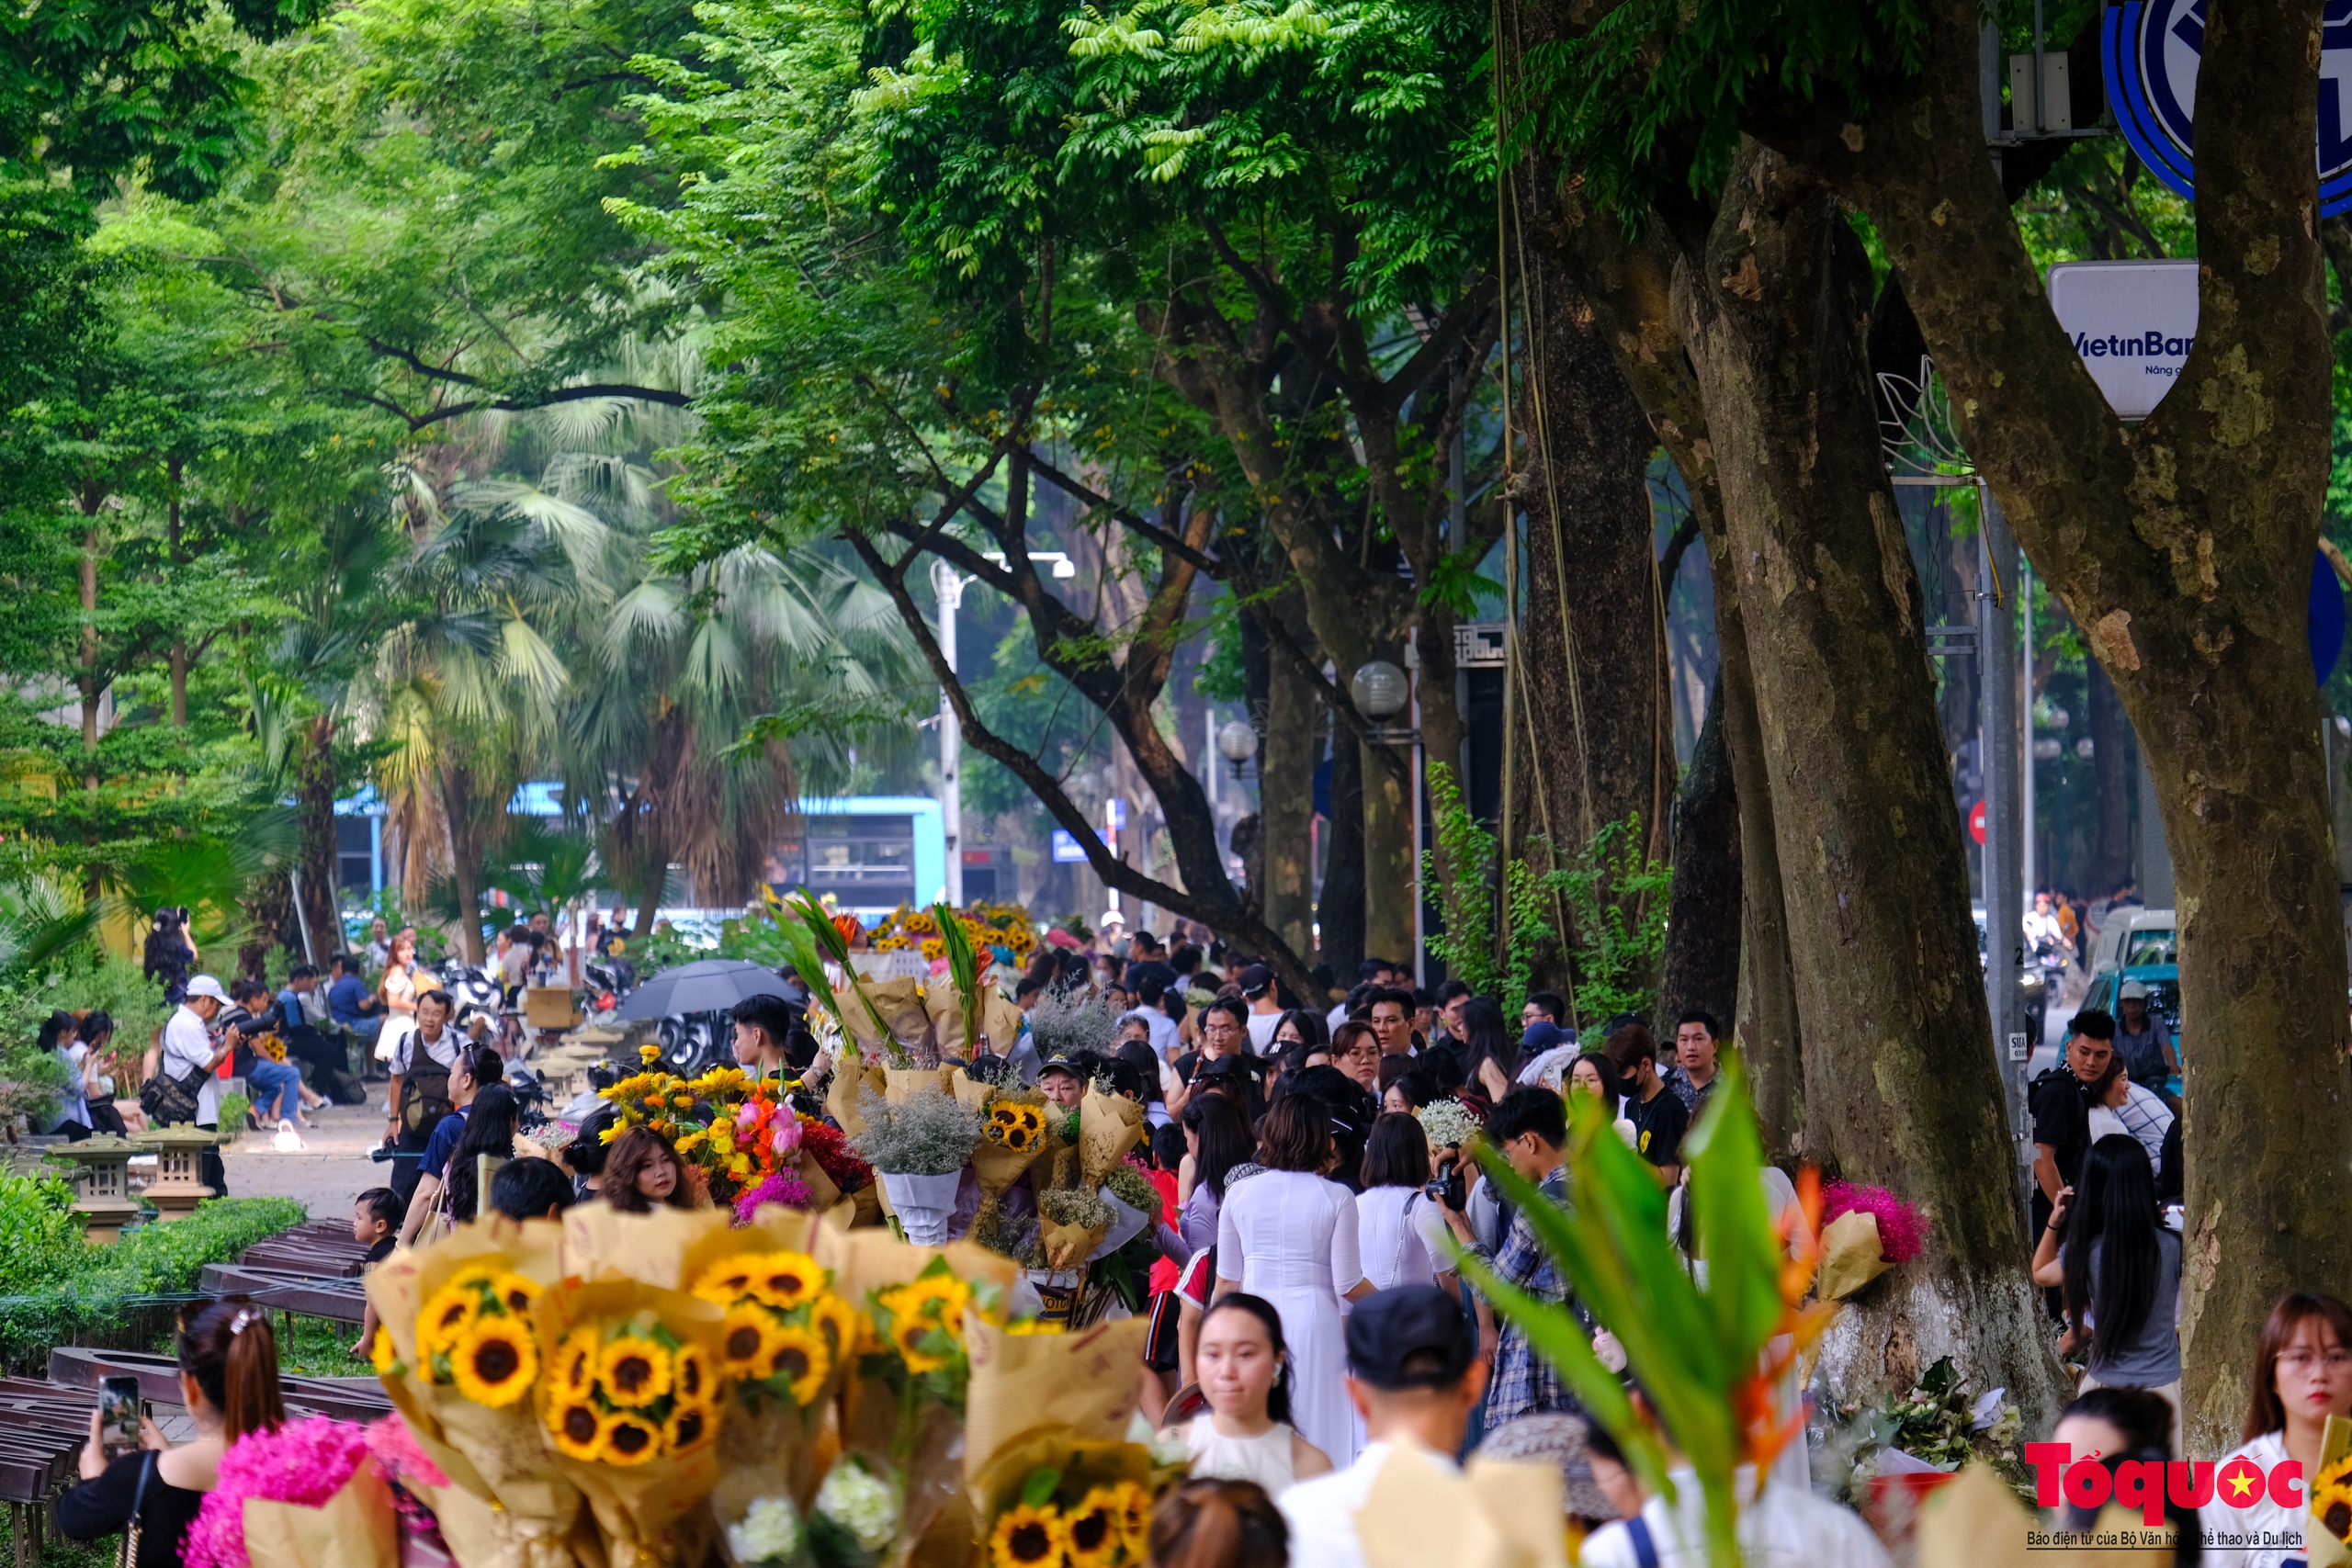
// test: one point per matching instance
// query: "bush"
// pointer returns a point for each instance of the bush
(58, 1289)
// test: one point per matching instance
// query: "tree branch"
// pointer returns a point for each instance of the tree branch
(1208, 566)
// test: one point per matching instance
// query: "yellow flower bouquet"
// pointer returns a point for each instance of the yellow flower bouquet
(458, 1354)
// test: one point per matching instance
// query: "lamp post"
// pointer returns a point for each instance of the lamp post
(1236, 743)
(1381, 692)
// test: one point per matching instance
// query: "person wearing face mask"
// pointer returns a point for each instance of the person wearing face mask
(1244, 1372)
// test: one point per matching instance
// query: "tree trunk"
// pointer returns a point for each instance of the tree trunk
(1901, 1087)
(268, 904)
(1700, 968)
(1340, 913)
(179, 639)
(314, 818)
(462, 808)
(1602, 746)
(2111, 765)
(1287, 796)
(87, 681)
(1391, 882)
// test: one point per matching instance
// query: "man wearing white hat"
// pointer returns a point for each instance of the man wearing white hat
(1115, 932)
(2143, 1042)
(188, 1047)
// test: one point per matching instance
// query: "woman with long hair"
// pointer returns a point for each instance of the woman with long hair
(1489, 1056)
(1400, 1234)
(642, 1173)
(99, 1074)
(2303, 1375)
(1244, 1371)
(1218, 1140)
(399, 985)
(229, 1385)
(491, 1122)
(2119, 1268)
(1593, 1075)
(1290, 1236)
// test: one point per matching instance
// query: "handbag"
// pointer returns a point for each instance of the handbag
(167, 1100)
(129, 1558)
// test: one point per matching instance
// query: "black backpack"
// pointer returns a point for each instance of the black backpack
(425, 1095)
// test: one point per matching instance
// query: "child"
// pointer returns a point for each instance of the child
(375, 1216)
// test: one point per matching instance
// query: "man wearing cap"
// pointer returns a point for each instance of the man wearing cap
(2143, 1042)
(1113, 929)
(188, 1047)
(1063, 1081)
(1414, 1375)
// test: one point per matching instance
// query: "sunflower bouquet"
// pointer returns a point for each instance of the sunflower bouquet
(630, 1406)
(1057, 1503)
(458, 1353)
(270, 1048)
(1013, 1134)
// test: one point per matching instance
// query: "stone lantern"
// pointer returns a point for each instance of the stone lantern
(102, 1183)
(179, 1185)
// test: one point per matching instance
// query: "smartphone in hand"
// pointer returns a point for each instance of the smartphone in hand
(118, 1411)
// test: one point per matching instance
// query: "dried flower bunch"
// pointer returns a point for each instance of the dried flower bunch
(928, 1134)
(1066, 1025)
(1449, 1123)
(1081, 1206)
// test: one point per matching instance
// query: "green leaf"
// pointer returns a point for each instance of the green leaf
(1038, 1490)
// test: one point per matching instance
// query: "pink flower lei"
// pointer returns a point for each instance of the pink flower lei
(1901, 1228)
(305, 1461)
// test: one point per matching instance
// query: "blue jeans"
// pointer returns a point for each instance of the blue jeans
(278, 1084)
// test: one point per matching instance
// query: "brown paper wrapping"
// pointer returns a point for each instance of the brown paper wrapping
(866, 1259)
(2322, 1548)
(648, 1514)
(1421, 1511)
(970, 1093)
(602, 1243)
(944, 1006)
(1000, 1020)
(481, 1535)
(900, 1004)
(1066, 1246)
(902, 1084)
(1525, 1502)
(823, 1194)
(1850, 1255)
(1057, 1166)
(357, 1528)
(1977, 1522)
(1082, 1386)
(497, 1455)
(1108, 1126)
(853, 1081)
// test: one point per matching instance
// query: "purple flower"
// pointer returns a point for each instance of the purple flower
(783, 1187)
(1901, 1228)
(304, 1461)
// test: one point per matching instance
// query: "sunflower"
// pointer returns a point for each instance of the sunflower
(692, 1382)
(1029, 1327)
(452, 1309)
(907, 1335)
(1097, 1530)
(940, 1296)
(633, 1370)
(578, 1429)
(747, 1340)
(629, 1438)
(727, 1281)
(516, 1294)
(688, 1426)
(1135, 1518)
(494, 1361)
(2332, 1498)
(785, 1280)
(799, 1354)
(838, 1320)
(381, 1354)
(575, 1365)
(1027, 1537)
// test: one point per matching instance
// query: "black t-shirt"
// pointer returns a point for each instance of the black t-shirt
(89, 1510)
(2062, 1119)
(1658, 1126)
(381, 1250)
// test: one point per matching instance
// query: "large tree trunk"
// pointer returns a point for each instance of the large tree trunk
(461, 807)
(1286, 797)
(1339, 912)
(1700, 968)
(2182, 547)
(1391, 882)
(314, 821)
(1901, 1085)
(2111, 762)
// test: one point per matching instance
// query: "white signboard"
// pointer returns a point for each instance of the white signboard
(2132, 321)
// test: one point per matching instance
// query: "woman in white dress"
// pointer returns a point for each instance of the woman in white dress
(1400, 1233)
(2303, 1375)
(1290, 1236)
(1246, 1434)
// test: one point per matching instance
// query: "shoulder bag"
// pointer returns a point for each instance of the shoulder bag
(168, 1100)
(129, 1558)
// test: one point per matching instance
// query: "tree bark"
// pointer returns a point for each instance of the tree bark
(2182, 547)
(461, 806)
(179, 641)
(1391, 880)
(1701, 966)
(2111, 764)
(1901, 1085)
(1340, 913)
(314, 821)
(267, 904)
(1286, 798)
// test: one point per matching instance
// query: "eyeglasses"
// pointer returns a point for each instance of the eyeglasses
(2304, 1360)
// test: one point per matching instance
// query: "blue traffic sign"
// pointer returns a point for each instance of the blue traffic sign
(1065, 848)
(2150, 50)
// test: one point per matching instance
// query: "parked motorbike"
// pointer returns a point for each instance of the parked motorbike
(474, 996)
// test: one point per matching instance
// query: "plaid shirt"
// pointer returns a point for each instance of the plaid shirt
(1524, 1383)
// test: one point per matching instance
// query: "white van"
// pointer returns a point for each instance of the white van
(2134, 937)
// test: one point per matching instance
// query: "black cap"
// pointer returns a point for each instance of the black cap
(1062, 1064)
(1412, 1337)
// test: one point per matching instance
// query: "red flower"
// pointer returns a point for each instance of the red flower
(832, 1152)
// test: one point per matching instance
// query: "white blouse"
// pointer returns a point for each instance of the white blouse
(1400, 1236)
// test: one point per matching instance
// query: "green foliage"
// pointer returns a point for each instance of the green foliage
(40, 1241)
(89, 1291)
(1691, 1346)
(1616, 900)
(1465, 884)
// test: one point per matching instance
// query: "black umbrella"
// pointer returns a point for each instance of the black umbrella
(707, 985)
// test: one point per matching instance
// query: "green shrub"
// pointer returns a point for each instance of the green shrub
(40, 1241)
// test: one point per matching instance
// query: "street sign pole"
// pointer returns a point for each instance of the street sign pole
(1997, 747)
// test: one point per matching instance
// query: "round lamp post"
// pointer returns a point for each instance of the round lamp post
(1381, 692)
(1236, 743)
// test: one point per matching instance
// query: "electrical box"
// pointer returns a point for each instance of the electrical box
(2057, 98)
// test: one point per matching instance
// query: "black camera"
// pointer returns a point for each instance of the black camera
(1447, 1187)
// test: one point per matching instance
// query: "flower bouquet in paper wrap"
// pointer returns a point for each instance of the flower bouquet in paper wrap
(918, 1147)
(305, 1496)
(1711, 1357)
(1490, 1514)
(631, 1407)
(1071, 1223)
(955, 1008)
(814, 942)
(1108, 1126)
(602, 1243)
(1013, 1134)
(1866, 1231)
(458, 1354)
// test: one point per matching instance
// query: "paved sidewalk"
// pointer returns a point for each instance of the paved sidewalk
(333, 1169)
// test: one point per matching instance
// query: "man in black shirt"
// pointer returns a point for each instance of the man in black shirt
(1224, 1042)
(1659, 1121)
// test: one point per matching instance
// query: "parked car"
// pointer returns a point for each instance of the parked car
(2134, 937)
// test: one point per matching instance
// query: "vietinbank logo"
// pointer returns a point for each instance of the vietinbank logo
(2150, 344)
(2144, 1484)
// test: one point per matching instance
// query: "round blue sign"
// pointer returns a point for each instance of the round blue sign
(2150, 49)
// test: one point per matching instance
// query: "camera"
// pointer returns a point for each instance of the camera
(1447, 1186)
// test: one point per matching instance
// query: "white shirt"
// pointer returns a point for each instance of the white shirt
(1788, 1527)
(2141, 1115)
(1336, 1017)
(1261, 1030)
(2265, 1521)
(1322, 1512)
(1165, 1041)
(188, 1047)
(1400, 1236)
(444, 1050)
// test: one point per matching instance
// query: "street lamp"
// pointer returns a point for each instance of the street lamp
(1236, 743)
(1381, 691)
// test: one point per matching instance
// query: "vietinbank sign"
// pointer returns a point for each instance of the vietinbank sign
(2150, 49)
(2133, 324)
